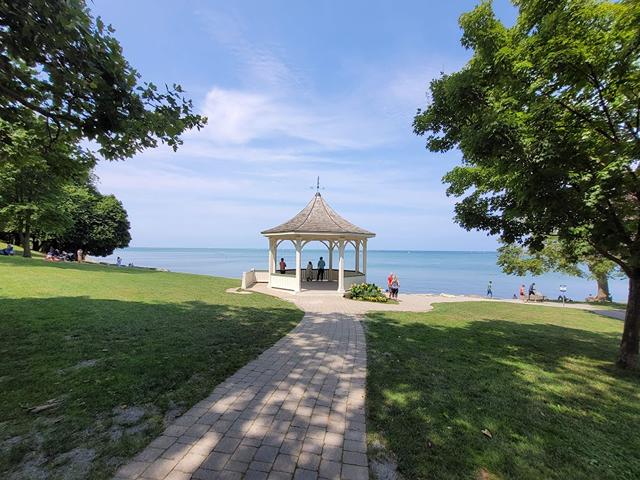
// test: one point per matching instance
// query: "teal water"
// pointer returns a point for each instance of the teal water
(418, 271)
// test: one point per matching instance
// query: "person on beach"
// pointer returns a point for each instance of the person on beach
(395, 286)
(389, 280)
(490, 290)
(309, 272)
(321, 265)
(283, 266)
(522, 292)
(532, 290)
(79, 256)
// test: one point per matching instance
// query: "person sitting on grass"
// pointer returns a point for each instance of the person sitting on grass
(8, 250)
(309, 272)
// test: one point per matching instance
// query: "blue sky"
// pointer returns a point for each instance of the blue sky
(292, 90)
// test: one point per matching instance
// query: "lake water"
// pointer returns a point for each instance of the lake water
(418, 271)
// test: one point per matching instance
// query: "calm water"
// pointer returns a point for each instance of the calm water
(418, 271)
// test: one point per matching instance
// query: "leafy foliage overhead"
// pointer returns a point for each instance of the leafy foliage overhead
(547, 116)
(58, 61)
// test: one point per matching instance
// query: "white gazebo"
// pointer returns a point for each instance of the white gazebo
(318, 222)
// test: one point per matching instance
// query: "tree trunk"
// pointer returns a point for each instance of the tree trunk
(603, 288)
(630, 344)
(26, 238)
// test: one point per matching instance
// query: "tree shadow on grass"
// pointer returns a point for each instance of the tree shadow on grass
(95, 355)
(550, 397)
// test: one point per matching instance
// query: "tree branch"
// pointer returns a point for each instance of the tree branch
(603, 103)
(625, 268)
(37, 108)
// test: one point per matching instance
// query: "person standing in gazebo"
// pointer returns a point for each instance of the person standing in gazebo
(309, 272)
(321, 266)
(283, 266)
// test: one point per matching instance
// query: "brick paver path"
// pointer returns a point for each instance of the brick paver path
(296, 412)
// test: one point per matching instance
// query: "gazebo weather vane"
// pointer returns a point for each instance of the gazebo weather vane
(318, 188)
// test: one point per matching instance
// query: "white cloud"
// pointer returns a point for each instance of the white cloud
(241, 117)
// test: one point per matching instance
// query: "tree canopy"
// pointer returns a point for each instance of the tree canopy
(99, 223)
(60, 62)
(559, 257)
(546, 115)
(33, 175)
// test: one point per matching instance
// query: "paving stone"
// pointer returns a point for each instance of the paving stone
(354, 458)
(197, 430)
(309, 461)
(132, 469)
(354, 472)
(216, 461)
(255, 475)
(312, 445)
(227, 444)
(260, 466)
(176, 451)
(163, 442)
(190, 462)
(280, 476)
(302, 474)
(176, 475)
(355, 446)
(149, 454)
(159, 469)
(285, 463)
(291, 447)
(274, 439)
(332, 438)
(266, 453)
(236, 466)
(330, 470)
(330, 452)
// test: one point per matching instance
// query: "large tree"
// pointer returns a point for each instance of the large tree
(58, 61)
(33, 175)
(99, 223)
(559, 257)
(547, 117)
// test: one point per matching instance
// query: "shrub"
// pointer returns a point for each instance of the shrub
(369, 292)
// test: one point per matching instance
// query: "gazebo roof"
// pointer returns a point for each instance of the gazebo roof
(318, 218)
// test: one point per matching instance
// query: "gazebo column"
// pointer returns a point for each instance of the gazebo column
(357, 256)
(272, 258)
(364, 259)
(330, 260)
(298, 244)
(341, 267)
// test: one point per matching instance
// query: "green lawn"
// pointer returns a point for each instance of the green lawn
(541, 380)
(103, 341)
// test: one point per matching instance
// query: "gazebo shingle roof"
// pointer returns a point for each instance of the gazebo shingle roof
(318, 217)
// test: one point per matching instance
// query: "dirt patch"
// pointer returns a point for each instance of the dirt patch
(382, 463)
(75, 464)
(128, 415)
(238, 291)
(32, 467)
(84, 364)
(173, 413)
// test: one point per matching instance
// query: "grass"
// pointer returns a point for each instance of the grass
(101, 340)
(541, 380)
